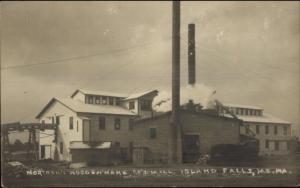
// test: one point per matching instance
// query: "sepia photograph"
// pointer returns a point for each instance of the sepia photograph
(150, 93)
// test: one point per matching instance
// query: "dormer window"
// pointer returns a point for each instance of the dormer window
(131, 105)
(90, 99)
(118, 101)
(97, 100)
(111, 100)
(104, 100)
(146, 105)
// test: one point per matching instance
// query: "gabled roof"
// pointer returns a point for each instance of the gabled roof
(80, 107)
(242, 106)
(168, 113)
(102, 93)
(265, 118)
(138, 95)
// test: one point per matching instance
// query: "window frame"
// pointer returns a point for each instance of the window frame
(61, 148)
(97, 100)
(57, 120)
(117, 123)
(104, 100)
(146, 105)
(257, 129)
(111, 101)
(285, 130)
(71, 123)
(131, 105)
(77, 128)
(101, 123)
(118, 101)
(267, 129)
(152, 133)
(90, 98)
(276, 145)
(130, 124)
(267, 144)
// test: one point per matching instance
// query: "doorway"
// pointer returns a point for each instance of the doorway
(191, 148)
(45, 151)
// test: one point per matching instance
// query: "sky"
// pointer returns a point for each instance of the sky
(247, 51)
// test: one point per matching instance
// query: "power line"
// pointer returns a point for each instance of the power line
(82, 57)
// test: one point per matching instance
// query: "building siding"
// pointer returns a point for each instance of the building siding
(65, 135)
(109, 134)
(271, 136)
(211, 130)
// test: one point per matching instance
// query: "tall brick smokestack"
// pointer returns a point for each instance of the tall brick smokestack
(174, 151)
(191, 55)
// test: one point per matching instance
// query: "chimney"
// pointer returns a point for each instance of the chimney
(191, 54)
(175, 154)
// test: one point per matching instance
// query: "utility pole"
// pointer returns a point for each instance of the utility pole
(175, 139)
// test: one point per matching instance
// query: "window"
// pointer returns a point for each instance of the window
(267, 129)
(131, 105)
(77, 126)
(42, 151)
(130, 124)
(117, 124)
(43, 121)
(71, 123)
(267, 143)
(101, 123)
(61, 148)
(251, 112)
(259, 113)
(57, 120)
(104, 100)
(246, 111)
(146, 105)
(118, 101)
(52, 119)
(242, 111)
(285, 130)
(117, 144)
(237, 111)
(276, 145)
(247, 129)
(97, 100)
(257, 129)
(152, 133)
(275, 129)
(111, 100)
(90, 99)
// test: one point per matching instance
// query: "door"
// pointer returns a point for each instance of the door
(45, 151)
(191, 148)
(86, 130)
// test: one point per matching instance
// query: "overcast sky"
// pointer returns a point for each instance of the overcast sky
(247, 51)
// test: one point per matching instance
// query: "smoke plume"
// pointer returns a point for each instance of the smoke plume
(199, 93)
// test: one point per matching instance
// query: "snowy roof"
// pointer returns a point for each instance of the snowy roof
(242, 106)
(102, 93)
(138, 95)
(83, 145)
(78, 106)
(265, 118)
